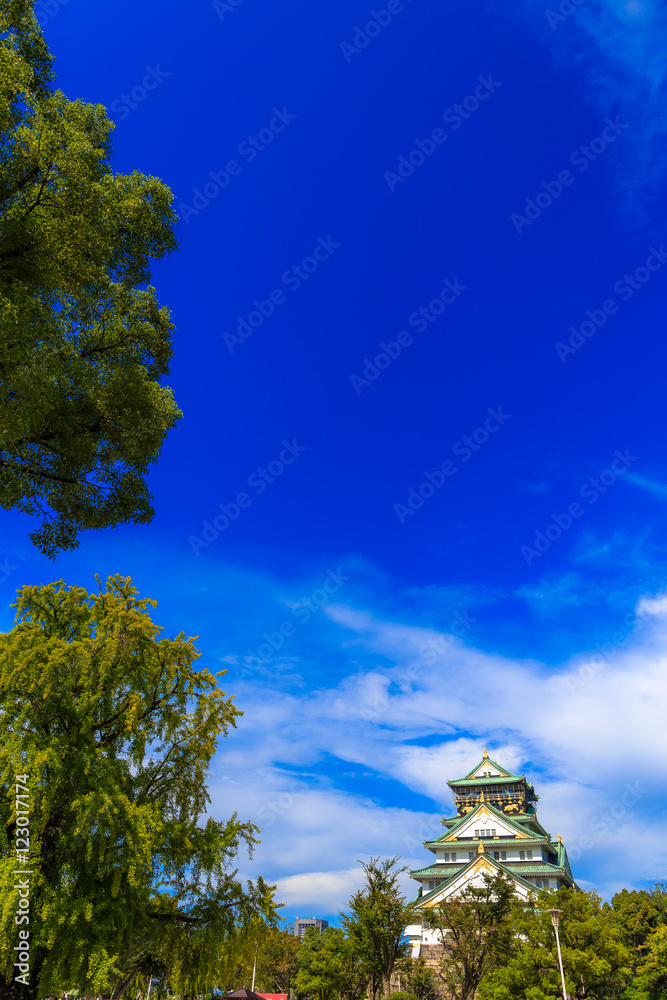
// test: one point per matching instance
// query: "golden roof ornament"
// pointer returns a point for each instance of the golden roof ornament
(486, 756)
(480, 848)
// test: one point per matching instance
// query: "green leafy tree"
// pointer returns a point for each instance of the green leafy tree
(354, 979)
(418, 979)
(84, 343)
(277, 967)
(116, 729)
(477, 934)
(650, 981)
(321, 961)
(638, 914)
(376, 924)
(595, 959)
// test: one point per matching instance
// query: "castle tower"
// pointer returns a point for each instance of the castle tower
(495, 829)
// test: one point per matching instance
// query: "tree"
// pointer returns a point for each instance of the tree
(595, 960)
(376, 925)
(477, 933)
(321, 962)
(638, 915)
(650, 982)
(418, 979)
(112, 729)
(84, 342)
(277, 967)
(354, 979)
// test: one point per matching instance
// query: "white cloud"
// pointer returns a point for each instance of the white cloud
(590, 730)
(653, 605)
(331, 889)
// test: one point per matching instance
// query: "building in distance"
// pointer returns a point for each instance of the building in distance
(301, 925)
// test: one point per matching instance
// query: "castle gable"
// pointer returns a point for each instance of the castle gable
(473, 874)
(488, 769)
(485, 822)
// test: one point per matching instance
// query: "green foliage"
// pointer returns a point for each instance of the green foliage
(83, 341)
(418, 978)
(650, 982)
(328, 967)
(116, 729)
(276, 962)
(404, 995)
(477, 932)
(379, 913)
(637, 915)
(595, 959)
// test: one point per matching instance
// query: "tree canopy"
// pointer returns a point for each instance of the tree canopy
(595, 960)
(84, 343)
(115, 729)
(272, 953)
(376, 923)
(327, 966)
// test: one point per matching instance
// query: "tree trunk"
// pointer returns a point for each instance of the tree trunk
(124, 984)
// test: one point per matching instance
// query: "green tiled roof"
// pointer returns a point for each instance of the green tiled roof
(506, 779)
(497, 864)
(539, 869)
(460, 820)
(443, 871)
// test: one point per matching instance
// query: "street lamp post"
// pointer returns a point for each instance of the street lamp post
(555, 920)
(254, 968)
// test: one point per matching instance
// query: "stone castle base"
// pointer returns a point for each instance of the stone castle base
(432, 955)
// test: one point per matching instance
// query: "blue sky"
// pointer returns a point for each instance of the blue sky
(419, 350)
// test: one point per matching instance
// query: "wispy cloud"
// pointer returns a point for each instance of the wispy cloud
(552, 593)
(617, 48)
(653, 486)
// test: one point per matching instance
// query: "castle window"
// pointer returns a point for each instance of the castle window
(500, 855)
(471, 855)
(529, 855)
(522, 855)
(450, 857)
(431, 884)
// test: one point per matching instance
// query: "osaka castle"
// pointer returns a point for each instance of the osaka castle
(496, 829)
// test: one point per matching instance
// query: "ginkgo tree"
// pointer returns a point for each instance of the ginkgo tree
(84, 342)
(112, 729)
